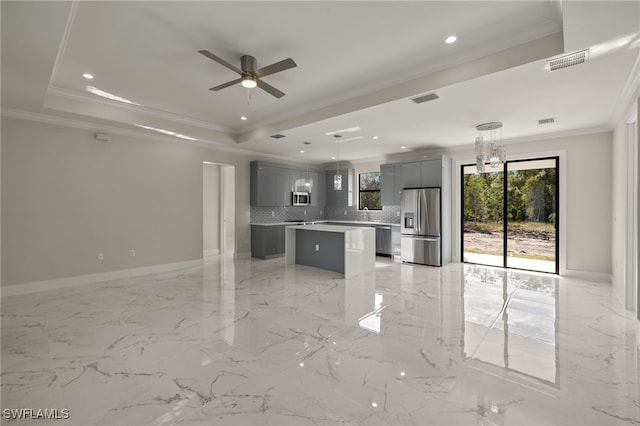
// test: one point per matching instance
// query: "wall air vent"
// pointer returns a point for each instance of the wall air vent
(425, 98)
(547, 120)
(569, 60)
(278, 136)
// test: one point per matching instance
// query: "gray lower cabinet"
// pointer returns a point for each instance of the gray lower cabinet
(324, 250)
(267, 242)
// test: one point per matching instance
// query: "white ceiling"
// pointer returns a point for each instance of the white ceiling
(359, 64)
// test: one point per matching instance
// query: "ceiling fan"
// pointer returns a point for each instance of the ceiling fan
(250, 77)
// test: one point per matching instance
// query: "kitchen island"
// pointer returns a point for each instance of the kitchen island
(349, 250)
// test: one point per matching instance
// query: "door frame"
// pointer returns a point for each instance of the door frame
(632, 293)
(561, 246)
(225, 199)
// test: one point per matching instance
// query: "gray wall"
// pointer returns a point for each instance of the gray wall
(588, 176)
(67, 196)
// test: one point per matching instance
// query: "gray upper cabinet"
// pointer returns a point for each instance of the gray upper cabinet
(272, 185)
(344, 197)
(284, 186)
(391, 184)
(317, 188)
(412, 175)
(424, 173)
(431, 172)
(264, 185)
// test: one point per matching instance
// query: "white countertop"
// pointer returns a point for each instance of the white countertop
(327, 228)
(324, 221)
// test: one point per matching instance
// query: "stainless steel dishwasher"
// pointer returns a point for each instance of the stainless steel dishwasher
(383, 240)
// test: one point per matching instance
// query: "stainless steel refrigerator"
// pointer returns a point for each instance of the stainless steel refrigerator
(420, 240)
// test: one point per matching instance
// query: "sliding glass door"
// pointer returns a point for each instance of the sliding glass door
(510, 215)
(482, 221)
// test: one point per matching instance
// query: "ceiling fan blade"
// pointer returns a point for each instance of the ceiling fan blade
(227, 84)
(277, 67)
(269, 89)
(220, 60)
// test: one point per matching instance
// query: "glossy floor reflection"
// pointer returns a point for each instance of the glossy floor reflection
(253, 342)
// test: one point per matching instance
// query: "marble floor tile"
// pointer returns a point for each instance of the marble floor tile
(252, 342)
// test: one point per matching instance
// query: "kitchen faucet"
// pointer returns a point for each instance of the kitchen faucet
(366, 214)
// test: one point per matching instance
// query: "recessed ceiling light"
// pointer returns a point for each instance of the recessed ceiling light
(243, 118)
(451, 39)
(403, 147)
(333, 158)
(302, 151)
(87, 76)
(375, 137)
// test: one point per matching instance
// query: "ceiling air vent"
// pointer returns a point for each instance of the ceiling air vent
(425, 98)
(569, 60)
(278, 136)
(547, 120)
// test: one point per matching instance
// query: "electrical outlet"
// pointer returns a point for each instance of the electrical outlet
(345, 212)
(132, 253)
(273, 213)
(398, 214)
(101, 256)
(317, 247)
(305, 212)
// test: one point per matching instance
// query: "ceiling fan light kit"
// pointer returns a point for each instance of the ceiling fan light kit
(249, 82)
(250, 75)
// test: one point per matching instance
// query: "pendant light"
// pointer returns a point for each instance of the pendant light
(495, 153)
(337, 178)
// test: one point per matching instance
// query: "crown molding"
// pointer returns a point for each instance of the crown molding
(63, 44)
(84, 125)
(164, 115)
(629, 91)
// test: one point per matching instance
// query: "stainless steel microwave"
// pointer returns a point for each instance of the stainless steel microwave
(300, 198)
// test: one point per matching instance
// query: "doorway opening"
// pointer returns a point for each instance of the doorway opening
(218, 209)
(510, 215)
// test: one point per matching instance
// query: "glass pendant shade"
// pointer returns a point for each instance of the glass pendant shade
(337, 182)
(479, 155)
(494, 153)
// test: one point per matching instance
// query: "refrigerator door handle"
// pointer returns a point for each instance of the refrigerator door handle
(432, 239)
(418, 213)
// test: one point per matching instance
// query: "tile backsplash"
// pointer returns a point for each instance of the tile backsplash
(283, 214)
(388, 214)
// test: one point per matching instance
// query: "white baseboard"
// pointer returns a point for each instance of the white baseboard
(587, 276)
(37, 286)
(210, 252)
